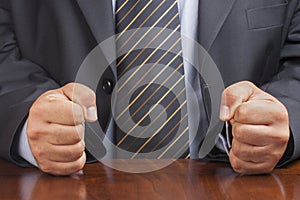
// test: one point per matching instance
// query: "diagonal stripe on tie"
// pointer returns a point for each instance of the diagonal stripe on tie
(149, 97)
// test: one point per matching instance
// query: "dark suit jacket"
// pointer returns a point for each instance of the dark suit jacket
(43, 43)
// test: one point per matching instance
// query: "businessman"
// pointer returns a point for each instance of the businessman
(255, 44)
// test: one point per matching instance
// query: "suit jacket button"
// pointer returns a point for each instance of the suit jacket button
(107, 86)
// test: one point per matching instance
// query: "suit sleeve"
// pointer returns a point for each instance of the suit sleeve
(21, 82)
(285, 86)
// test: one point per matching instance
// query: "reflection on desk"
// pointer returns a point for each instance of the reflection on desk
(183, 179)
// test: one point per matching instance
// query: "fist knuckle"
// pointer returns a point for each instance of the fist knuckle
(247, 83)
(235, 149)
(77, 153)
(46, 167)
(81, 146)
(268, 169)
(276, 156)
(281, 116)
(79, 164)
(77, 140)
(237, 130)
(75, 136)
(70, 85)
(51, 98)
(54, 171)
(38, 152)
(285, 114)
(281, 138)
(33, 133)
(36, 110)
(236, 152)
(70, 152)
(235, 165)
(241, 113)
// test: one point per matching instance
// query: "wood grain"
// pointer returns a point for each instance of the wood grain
(183, 179)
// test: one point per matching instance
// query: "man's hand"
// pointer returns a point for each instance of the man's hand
(55, 128)
(260, 128)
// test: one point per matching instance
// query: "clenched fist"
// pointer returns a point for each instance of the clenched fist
(260, 128)
(55, 128)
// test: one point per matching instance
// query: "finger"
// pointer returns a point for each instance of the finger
(244, 167)
(65, 135)
(256, 135)
(83, 96)
(249, 153)
(58, 153)
(59, 110)
(63, 168)
(260, 112)
(65, 153)
(235, 95)
(260, 135)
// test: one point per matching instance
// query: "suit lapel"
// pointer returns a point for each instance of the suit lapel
(212, 15)
(99, 17)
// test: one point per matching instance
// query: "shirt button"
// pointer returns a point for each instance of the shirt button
(107, 86)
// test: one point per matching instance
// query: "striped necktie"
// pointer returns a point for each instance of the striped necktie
(150, 102)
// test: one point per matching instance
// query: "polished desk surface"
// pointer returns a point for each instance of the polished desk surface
(183, 179)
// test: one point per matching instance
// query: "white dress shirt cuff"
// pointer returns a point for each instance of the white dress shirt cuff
(24, 148)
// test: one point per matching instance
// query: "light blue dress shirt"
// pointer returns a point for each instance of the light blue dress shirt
(188, 14)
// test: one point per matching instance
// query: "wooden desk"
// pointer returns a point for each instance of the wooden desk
(183, 179)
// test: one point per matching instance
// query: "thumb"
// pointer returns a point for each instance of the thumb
(83, 96)
(234, 95)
